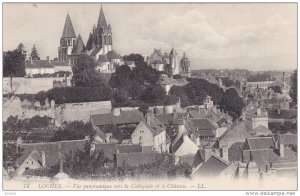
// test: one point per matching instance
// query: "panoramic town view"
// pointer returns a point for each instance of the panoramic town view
(119, 93)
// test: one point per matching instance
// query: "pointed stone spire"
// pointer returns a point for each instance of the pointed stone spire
(90, 41)
(173, 52)
(101, 19)
(68, 29)
(79, 47)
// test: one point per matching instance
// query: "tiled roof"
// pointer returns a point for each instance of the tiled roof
(212, 167)
(173, 52)
(260, 143)
(199, 158)
(113, 55)
(138, 158)
(187, 159)
(203, 124)
(125, 117)
(68, 31)
(51, 150)
(237, 133)
(155, 129)
(38, 64)
(198, 114)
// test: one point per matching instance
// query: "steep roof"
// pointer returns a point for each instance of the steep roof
(125, 117)
(212, 167)
(259, 143)
(102, 58)
(203, 124)
(79, 47)
(101, 19)
(173, 52)
(113, 55)
(51, 150)
(68, 31)
(95, 51)
(38, 64)
(235, 152)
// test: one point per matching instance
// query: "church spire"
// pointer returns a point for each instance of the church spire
(68, 29)
(101, 19)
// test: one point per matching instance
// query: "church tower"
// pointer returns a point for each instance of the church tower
(185, 66)
(67, 40)
(174, 62)
(101, 36)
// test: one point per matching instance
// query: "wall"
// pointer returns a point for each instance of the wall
(28, 85)
(60, 112)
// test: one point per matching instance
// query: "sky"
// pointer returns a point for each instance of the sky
(251, 36)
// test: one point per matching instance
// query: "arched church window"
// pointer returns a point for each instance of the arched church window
(105, 40)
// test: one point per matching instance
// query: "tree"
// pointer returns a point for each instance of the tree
(74, 130)
(293, 90)
(136, 58)
(121, 78)
(120, 98)
(154, 94)
(34, 55)
(232, 103)
(14, 63)
(84, 73)
(276, 89)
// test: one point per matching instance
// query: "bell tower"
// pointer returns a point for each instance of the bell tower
(67, 40)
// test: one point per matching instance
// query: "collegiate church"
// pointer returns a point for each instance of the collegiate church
(99, 45)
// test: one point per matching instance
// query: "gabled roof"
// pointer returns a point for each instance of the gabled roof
(199, 158)
(154, 129)
(68, 31)
(235, 152)
(259, 143)
(125, 117)
(212, 167)
(102, 58)
(237, 133)
(51, 150)
(38, 64)
(101, 19)
(128, 148)
(113, 55)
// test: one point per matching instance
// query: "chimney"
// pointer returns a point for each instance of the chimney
(107, 137)
(19, 141)
(48, 59)
(43, 159)
(225, 153)
(281, 150)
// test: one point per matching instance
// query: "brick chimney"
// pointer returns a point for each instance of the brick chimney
(48, 59)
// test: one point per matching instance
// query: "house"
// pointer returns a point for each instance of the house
(184, 146)
(150, 134)
(45, 155)
(256, 117)
(33, 67)
(61, 66)
(282, 115)
(270, 156)
(210, 168)
(117, 117)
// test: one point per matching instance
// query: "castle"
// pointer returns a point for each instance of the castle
(170, 63)
(99, 45)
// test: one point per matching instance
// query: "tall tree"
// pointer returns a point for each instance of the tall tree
(14, 63)
(34, 55)
(232, 103)
(293, 90)
(84, 73)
